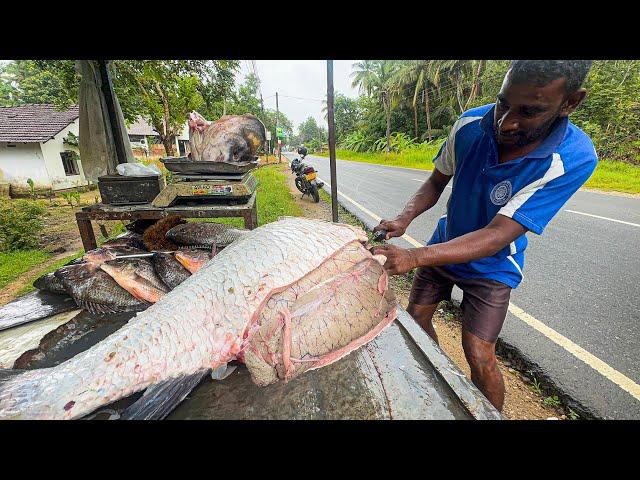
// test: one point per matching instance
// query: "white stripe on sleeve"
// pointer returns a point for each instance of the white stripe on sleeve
(555, 170)
(446, 162)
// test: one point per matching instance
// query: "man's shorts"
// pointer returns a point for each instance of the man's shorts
(484, 304)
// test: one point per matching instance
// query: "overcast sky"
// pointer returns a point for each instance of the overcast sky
(306, 79)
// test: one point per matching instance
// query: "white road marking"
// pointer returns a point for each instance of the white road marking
(574, 349)
(603, 218)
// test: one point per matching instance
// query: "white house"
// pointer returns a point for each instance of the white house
(40, 143)
(140, 130)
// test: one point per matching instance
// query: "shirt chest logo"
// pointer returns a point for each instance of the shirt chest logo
(501, 193)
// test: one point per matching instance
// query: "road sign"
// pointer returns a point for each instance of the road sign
(268, 135)
(279, 133)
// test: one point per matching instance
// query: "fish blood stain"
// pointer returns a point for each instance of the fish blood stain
(69, 405)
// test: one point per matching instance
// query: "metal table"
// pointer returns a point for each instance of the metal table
(248, 211)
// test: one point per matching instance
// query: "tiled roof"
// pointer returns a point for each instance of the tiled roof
(34, 123)
(140, 127)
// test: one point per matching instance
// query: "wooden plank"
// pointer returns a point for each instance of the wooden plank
(34, 306)
(86, 231)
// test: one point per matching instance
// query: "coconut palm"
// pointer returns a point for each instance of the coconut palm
(372, 77)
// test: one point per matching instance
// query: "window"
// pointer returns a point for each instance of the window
(69, 162)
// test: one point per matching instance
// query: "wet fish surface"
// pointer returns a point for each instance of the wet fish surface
(170, 270)
(138, 277)
(205, 233)
(50, 283)
(95, 291)
(259, 300)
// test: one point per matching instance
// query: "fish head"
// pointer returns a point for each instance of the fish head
(99, 255)
(193, 259)
(75, 276)
(123, 271)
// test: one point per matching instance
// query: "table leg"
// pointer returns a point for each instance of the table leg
(86, 231)
(251, 218)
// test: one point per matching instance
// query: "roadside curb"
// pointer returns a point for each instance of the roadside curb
(520, 360)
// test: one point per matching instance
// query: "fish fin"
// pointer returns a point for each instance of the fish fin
(223, 371)
(160, 400)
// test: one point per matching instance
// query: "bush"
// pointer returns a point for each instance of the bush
(21, 223)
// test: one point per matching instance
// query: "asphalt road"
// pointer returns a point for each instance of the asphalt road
(581, 283)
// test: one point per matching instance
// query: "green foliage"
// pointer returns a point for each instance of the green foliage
(21, 223)
(70, 196)
(32, 188)
(311, 134)
(552, 401)
(615, 176)
(15, 263)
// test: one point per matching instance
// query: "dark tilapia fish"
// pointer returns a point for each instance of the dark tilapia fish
(138, 277)
(232, 139)
(169, 269)
(95, 291)
(50, 283)
(205, 234)
(128, 239)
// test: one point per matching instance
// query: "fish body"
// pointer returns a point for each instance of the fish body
(205, 233)
(50, 283)
(170, 270)
(231, 139)
(100, 255)
(225, 311)
(95, 291)
(194, 259)
(138, 277)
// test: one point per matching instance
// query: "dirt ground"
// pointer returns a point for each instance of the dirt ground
(60, 238)
(521, 401)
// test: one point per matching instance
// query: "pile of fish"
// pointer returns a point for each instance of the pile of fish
(288, 297)
(232, 138)
(123, 276)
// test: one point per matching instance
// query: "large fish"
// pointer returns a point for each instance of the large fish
(205, 233)
(170, 270)
(291, 296)
(95, 291)
(194, 259)
(232, 138)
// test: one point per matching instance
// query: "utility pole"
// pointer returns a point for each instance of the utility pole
(332, 142)
(277, 119)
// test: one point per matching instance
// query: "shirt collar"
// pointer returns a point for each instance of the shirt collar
(548, 145)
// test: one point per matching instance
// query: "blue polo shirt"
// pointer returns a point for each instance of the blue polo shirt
(529, 189)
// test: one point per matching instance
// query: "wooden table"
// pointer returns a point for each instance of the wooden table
(100, 211)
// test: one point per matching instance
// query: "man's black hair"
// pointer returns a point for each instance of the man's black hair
(542, 72)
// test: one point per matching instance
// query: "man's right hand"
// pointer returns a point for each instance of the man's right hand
(394, 228)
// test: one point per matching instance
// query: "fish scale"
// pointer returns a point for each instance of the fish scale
(266, 261)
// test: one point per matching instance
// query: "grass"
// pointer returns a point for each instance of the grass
(14, 264)
(617, 176)
(610, 175)
(420, 159)
(51, 268)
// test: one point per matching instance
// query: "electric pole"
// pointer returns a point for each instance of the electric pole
(332, 142)
(278, 139)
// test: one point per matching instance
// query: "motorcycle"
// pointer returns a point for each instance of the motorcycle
(306, 181)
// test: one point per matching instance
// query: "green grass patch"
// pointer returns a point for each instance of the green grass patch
(418, 158)
(273, 197)
(13, 264)
(51, 268)
(615, 176)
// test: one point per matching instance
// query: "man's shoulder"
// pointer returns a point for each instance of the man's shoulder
(477, 112)
(577, 148)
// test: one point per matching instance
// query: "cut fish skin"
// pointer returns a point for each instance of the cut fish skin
(205, 322)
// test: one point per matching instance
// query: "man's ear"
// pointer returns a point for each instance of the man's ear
(573, 101)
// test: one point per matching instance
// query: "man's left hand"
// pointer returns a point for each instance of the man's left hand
(399, 260)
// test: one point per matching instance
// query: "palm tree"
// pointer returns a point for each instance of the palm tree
(372, 77)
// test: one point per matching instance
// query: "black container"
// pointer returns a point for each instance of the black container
(123, 190)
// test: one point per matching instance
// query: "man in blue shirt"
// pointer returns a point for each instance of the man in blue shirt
(514, 164)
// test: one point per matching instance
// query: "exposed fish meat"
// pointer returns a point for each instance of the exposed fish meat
(291, 296)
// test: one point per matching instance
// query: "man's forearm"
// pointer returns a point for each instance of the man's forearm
(472, 246)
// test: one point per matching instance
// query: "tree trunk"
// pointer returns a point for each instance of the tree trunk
(475, 87)
(388, 114)
(428, 111)
(169, 144)
(415, 120)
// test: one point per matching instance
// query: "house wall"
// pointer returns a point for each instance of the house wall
(53, 162)
(40, 162)
(21, 162)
